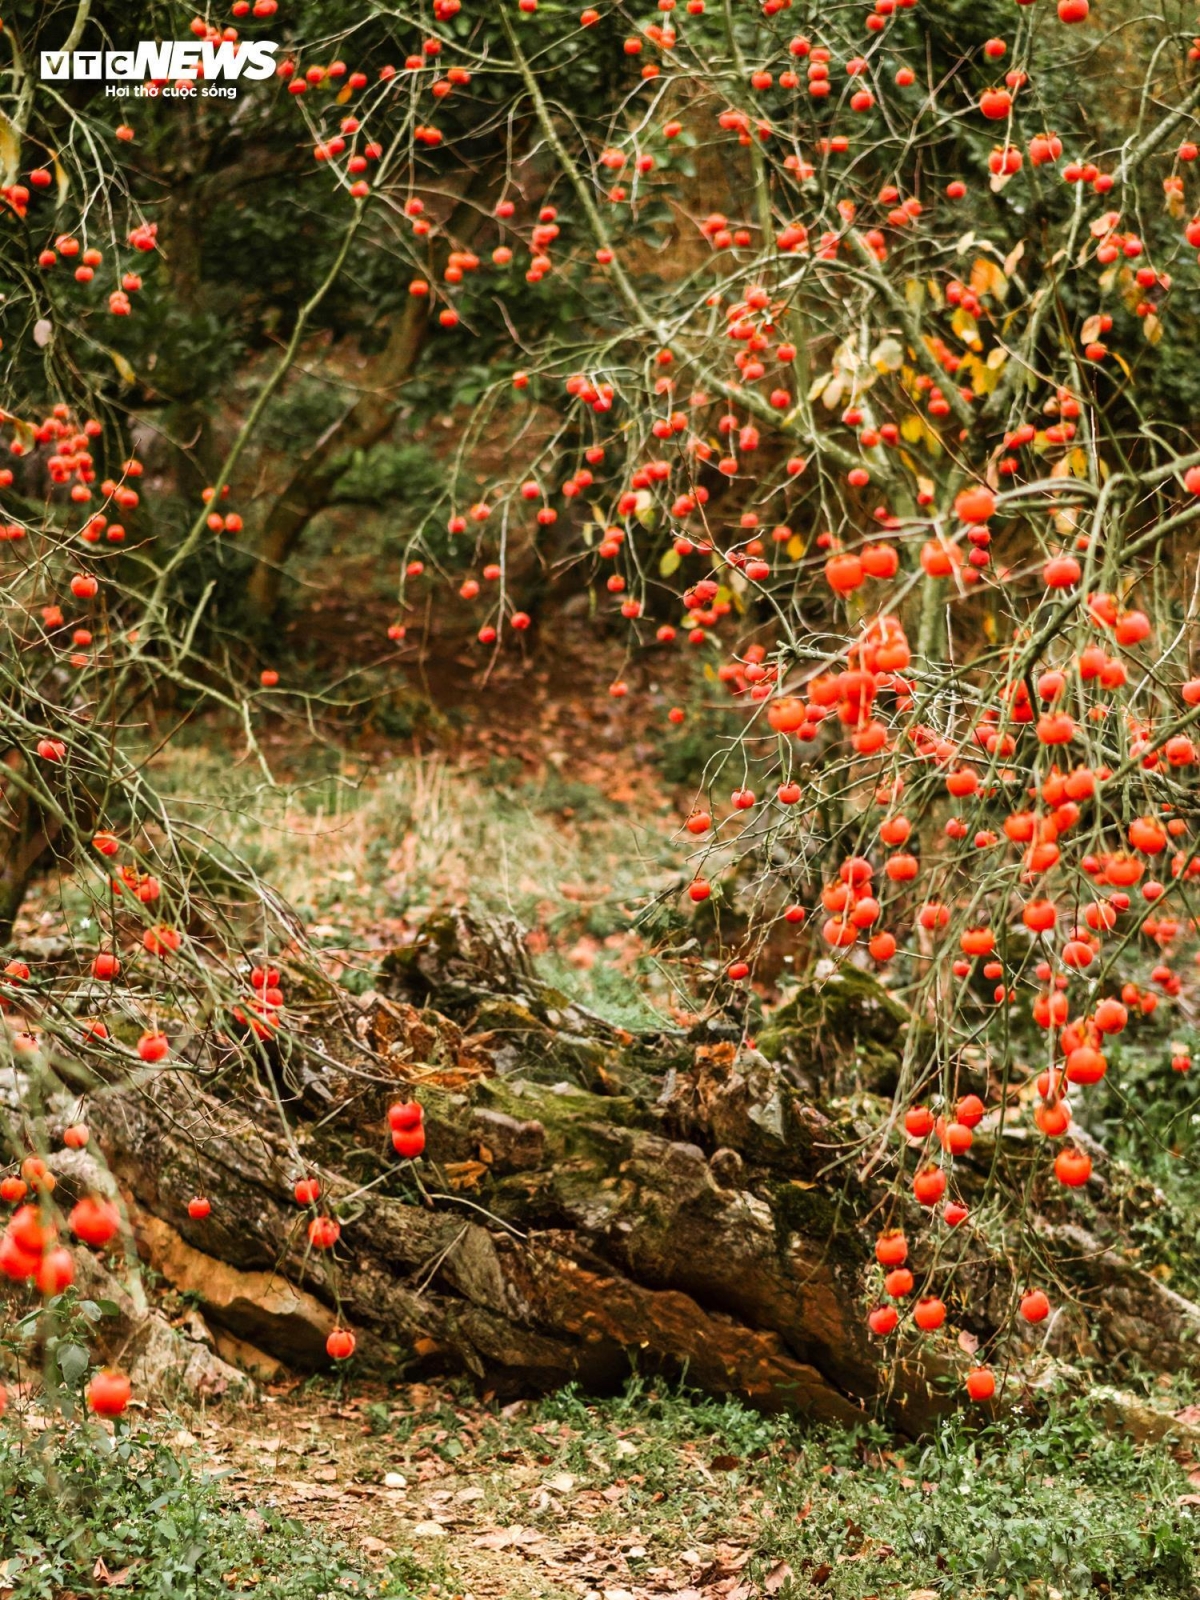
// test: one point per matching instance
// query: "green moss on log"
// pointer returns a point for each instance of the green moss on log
(842, 1032)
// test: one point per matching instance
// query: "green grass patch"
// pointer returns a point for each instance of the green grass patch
(86, 1512)
(974, 1510)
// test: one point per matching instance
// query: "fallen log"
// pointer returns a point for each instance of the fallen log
(589, 1200)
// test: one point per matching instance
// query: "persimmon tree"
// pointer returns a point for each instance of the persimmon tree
(845, 350)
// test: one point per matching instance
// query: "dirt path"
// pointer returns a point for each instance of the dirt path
(481, 1497)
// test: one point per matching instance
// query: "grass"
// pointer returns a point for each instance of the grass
(672, 1482)
(83, 1511)
(705, 1487)
(358, 853)
(966, 1512)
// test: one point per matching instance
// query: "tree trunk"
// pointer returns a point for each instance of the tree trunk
(311, 487)
(590, 1199)
(26, 842)
(362, 425)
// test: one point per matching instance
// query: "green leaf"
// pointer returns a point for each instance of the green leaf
(73, 1362)
(670, 562)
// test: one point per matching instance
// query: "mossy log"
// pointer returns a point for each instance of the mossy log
(590, 1200)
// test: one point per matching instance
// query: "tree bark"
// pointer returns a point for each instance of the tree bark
(311, 486)
(590, 1200)
(365, 423)
(26, 842)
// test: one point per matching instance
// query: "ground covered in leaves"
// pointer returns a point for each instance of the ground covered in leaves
(655, 1493)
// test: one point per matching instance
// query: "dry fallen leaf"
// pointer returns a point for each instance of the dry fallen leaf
(777, 1577)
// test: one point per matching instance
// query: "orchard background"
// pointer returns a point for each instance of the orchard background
(600, 776)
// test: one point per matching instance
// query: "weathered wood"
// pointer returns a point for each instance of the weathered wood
(559, 1230)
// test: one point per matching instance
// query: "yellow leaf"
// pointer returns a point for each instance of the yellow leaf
(669, 563)
(10, 150)
(1079, 462)
(831, 398)
(983, 377)
(987, 278)
(62, 181)
(997, 356)
(1121, 362)
(464, 1174)
(1013, 256)
(912, 428)
(645, 511)
(795, 547)
(1090, 331)
(925, 486)
(965, 327)
(914, 293)
(887, 355)
(1152, 328)
(989, 627)
(127, 374)
(817, 386)
(710, 672)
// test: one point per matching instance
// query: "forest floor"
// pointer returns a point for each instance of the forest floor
(432, 1492)
(563, 812)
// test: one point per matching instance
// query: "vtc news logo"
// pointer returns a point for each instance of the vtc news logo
(168, 60)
